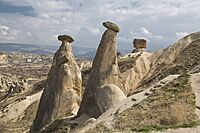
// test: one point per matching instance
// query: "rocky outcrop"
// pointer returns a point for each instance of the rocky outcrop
(181, 57)
(62, 93)
(139, 45)
(134, 67)
(109, 95)
(104, 71)
(11, 85)
(5, 82)
(3, 58)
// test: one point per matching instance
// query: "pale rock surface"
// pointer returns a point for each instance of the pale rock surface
(10, 85)
(5, 82)
(134, 67)
(109, 95)
(62, 93)
(195, 84)
(3, 58)
(16, 109)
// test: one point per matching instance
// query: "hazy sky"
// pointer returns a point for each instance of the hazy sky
(162, 22)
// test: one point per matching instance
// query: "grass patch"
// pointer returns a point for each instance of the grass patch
(172, 106)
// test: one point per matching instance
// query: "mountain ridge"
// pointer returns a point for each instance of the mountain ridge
(84, 52)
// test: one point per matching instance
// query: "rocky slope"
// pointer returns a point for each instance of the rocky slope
(179, 58)
(17, 112)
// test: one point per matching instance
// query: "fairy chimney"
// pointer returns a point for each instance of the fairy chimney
(62, 94)
(104, 71)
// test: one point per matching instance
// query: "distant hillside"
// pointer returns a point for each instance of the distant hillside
(79, 52)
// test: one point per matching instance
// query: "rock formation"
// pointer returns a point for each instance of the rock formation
(179, 58)
(62, 93)
(3, 58)
(104, 71)
(139, 45)
(134, 67)
(184, 54)
(108, 96)
(11, 85)
(111, 26)
(5, 82)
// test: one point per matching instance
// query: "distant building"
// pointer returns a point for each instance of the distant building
(39, 60)
(29, 60)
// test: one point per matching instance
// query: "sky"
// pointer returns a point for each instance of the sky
(161, 22)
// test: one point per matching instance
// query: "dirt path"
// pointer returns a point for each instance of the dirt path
(180, 130)
(195, 83)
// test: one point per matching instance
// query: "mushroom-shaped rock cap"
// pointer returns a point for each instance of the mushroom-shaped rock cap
(67, 38)
(140, 43)
(111, 26)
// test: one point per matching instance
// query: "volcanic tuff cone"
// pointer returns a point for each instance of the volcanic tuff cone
(62, 93)
(104, 71)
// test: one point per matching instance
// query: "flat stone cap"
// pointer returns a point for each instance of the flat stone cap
(140, 43)
(111, 26)
(67, 38)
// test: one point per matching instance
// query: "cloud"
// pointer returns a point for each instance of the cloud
(8, 7)
(94, 30)
(4, 30)
(180, 35)
(152, 38)
(7, 34)
(158, 21)
(145, 31)
(146, 34)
